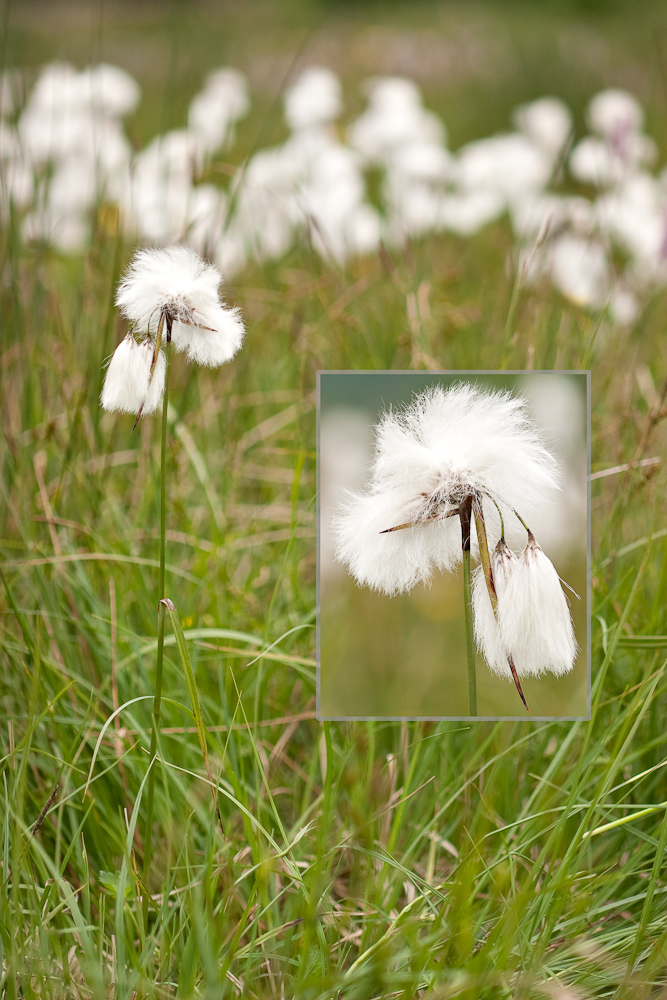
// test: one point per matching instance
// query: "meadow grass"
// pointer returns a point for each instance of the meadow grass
(351, 860)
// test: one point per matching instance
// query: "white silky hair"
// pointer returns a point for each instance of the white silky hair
(178, 281)
(112, 91)
(534, 616)
(446, 444)
(393, 563)
(611, 110)
(394, 119)
(487, 631)
(533, 623)
(511, 165)
(548, 121)
(213, 112)
(580, 269)
(126, 383)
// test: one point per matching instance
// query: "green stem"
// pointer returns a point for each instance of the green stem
(150, 791)
(470, 639)
(484, 555)
(465, 512)
(327, 797)
(511, 314)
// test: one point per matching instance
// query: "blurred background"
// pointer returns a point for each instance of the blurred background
(246, 129)
(475, 60)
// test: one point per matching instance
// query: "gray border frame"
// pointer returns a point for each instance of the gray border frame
(456, 718)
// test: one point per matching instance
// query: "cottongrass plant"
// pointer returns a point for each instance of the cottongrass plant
(65, 155)
(469, 454)
(170, 295)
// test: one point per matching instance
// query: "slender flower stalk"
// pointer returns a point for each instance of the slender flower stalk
(171, 295)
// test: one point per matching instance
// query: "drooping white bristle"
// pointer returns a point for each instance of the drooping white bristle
(126, 383)
(447, 444)
(532, 623)
(487, 630)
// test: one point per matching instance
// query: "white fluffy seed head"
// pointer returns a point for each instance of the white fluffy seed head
(612, 111)
(446, 445)
(532, 623)
(178, 282)
(126, 383)
(534, 616)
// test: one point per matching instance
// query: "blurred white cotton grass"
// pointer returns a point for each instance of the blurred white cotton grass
(128, 386)
(450, 458)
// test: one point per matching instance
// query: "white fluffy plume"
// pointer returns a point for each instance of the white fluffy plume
(533, 623)
(448, 444)
(126, 383)
(177, 282)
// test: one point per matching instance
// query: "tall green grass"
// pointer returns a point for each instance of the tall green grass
(350, 860)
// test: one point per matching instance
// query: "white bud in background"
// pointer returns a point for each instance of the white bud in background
(126, 384)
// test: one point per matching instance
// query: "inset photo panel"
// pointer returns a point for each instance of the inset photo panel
(453, 545)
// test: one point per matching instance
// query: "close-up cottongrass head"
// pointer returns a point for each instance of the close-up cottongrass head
(445, 446)
(128, 386)
(449, 464)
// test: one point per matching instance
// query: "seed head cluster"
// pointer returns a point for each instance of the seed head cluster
(448, 448)
(532, 623)
(448, 444)
(127, 385)
(170, 291)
